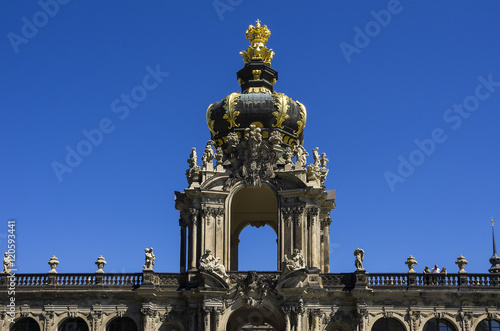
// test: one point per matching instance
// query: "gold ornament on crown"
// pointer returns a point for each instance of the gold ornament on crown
(257, 50)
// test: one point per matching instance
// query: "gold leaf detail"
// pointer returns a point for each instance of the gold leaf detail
(303, 119)
(210, 121)
(281, 102)
(229, 105)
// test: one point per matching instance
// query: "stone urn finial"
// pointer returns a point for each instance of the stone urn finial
(53, 262)
(461, 262)
(100, 263)
(411, 262)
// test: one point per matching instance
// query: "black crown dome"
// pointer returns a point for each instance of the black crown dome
(257, 104)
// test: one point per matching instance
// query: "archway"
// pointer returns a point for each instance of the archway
(251, 206)
(388, 324)
(253, 319)
(258, 248)
(121, 324)
(488, 325)
(439, 324)
(73, 324)
(25, 324)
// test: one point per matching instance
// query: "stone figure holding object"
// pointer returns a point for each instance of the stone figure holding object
(360, 257)
(150, 259)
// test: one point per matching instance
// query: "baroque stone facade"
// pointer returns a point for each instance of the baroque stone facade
(253, 172)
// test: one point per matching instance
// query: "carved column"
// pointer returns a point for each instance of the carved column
(299, 229)
(287, 232)
(150, 315)
(193, 238)
(286, 312)
(207, 312)
(219, 233)
(325, 225)
(314, 248)
(182, 224)
(192, 319)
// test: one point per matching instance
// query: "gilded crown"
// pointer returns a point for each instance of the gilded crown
(257, 33)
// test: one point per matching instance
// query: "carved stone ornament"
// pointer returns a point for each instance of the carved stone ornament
(53, 262)
(7, 264)
(210, 263)
(100, 263)
(411, 262)
(253, 159)
(301, 154)
(360, 257)
(149, 259)
(193, 173)
(208, 155)
(295, 262)
(461, 262)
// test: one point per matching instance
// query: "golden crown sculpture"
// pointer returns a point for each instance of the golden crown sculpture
(257, 33)
(257, 50)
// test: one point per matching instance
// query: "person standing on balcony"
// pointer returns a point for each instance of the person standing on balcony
(435, 270)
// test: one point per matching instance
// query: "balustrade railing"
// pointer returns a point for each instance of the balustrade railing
(329, 280)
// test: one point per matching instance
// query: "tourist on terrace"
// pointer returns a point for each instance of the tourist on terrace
(435, 270)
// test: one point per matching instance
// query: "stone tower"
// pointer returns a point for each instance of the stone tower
(260, 176)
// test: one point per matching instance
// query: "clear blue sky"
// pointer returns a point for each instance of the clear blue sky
(375, 77)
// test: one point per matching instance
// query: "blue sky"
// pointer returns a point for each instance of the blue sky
(403, 97)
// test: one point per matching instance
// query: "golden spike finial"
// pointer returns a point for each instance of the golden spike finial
(258, 36)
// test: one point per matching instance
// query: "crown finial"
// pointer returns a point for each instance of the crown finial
(258, 36)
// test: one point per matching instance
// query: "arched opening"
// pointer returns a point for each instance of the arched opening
(258, 249)
(73, 324)
(25, 324)
(121, 324)
(488, 325)
(438, 324)
(388, 324)
(251, 206)
(253, 319)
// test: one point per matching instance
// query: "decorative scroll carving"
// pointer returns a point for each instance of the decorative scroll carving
(281, 103)
(210, 121)
(230, 105)
(303, 118)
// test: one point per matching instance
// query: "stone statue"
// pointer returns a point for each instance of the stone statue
(192, 158)
(219, 155)
(316, 157)
(323, 160)
(360, 257)
(301, 154)
(208, 155)
(150, 259)
(210, 263)
(7, 263)
(295, 262)
(288, 155)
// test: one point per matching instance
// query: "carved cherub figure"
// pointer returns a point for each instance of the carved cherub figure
(150, 259)
(208, 262)
(7, 263)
